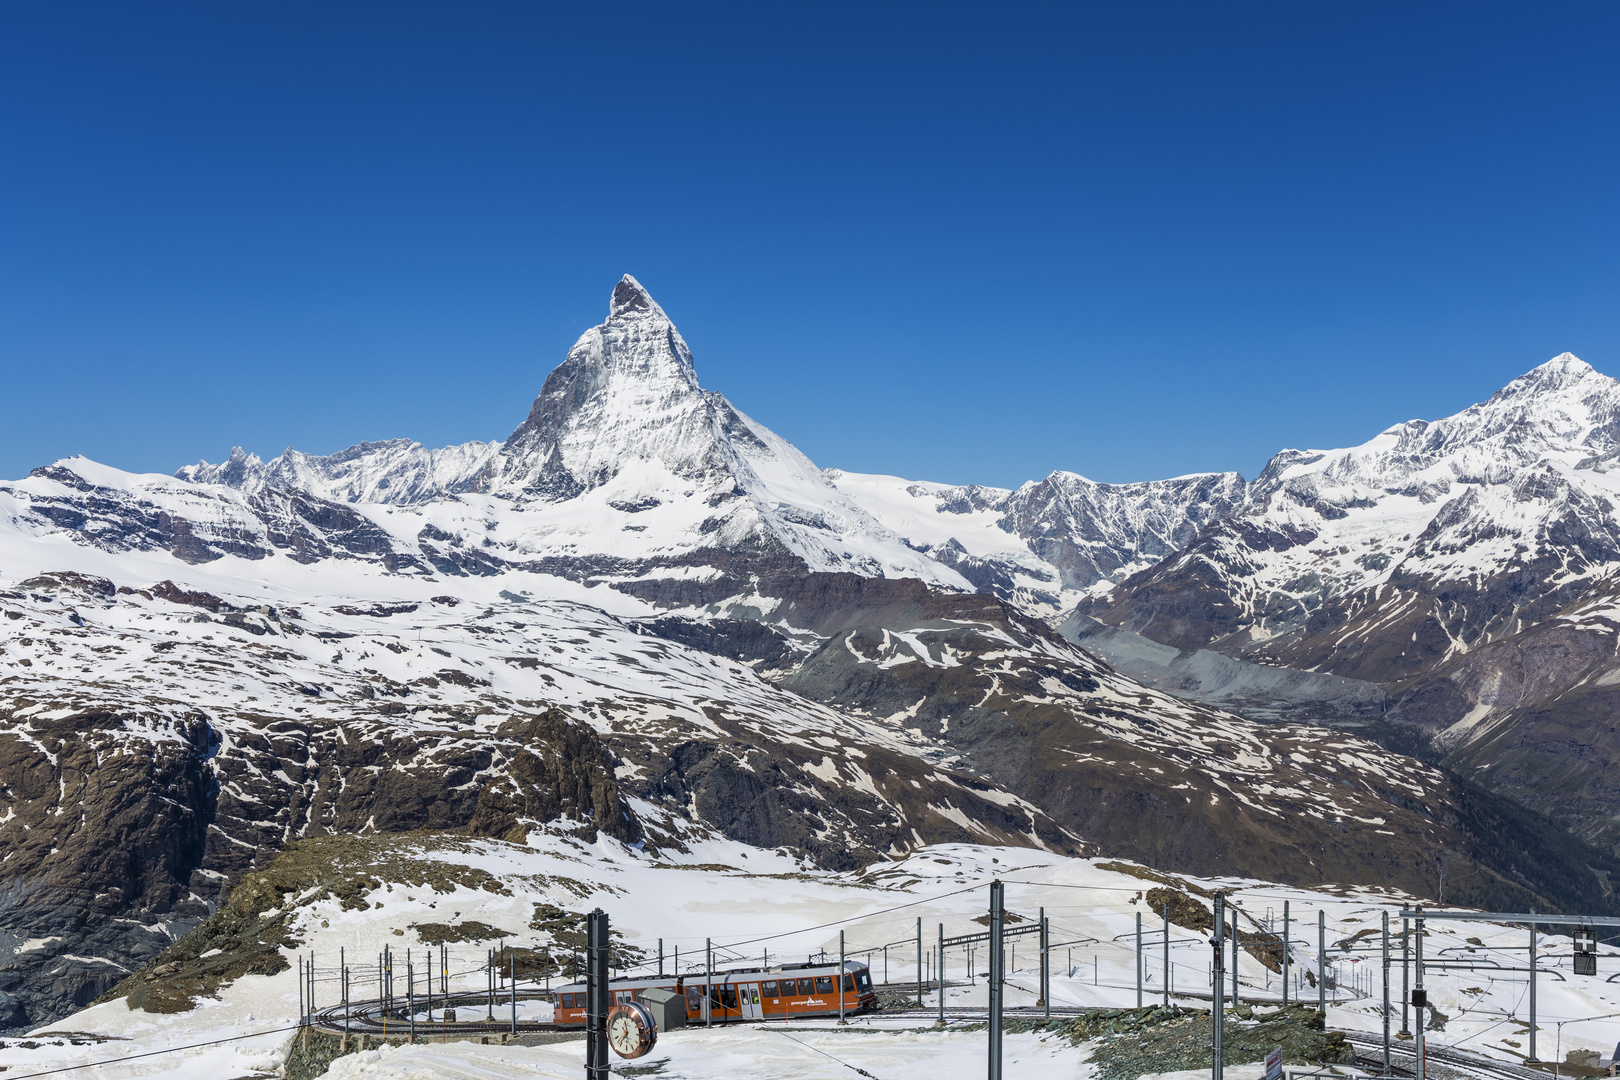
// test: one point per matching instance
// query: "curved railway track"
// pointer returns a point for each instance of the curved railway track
(390, 1020)
(1403, 1060)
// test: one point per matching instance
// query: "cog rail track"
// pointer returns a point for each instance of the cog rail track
(389, 1020)
(1403, 1060)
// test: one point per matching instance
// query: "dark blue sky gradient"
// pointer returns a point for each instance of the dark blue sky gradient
(965, 243)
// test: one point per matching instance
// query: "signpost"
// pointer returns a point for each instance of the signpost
(1585, 951)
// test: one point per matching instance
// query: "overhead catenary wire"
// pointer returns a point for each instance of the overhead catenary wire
(818, 1050)
(853, 918)
(153, 1053)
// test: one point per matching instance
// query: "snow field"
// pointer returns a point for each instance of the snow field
(769, 901)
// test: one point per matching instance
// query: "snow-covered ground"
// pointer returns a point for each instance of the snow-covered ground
(758, 905)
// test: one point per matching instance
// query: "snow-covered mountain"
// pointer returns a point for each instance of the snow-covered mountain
(625, 467)
(1382, 560)
(641, 599)
(1053, 542)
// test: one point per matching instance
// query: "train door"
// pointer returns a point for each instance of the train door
(748, 1001)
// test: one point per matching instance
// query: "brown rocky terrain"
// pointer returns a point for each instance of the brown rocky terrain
(159, 743)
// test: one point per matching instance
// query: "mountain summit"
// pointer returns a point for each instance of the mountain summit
(629, 295)
(624, 460)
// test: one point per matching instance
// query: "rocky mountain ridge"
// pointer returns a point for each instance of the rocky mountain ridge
(1382, 560)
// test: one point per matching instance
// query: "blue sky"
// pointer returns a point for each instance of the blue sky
(965, 243)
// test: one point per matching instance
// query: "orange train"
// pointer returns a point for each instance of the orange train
(789, 992)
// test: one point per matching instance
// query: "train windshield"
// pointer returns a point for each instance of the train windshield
(863, 980)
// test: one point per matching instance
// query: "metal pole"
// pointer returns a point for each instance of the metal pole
(489, 979)
(1046, 967)
(1421, 1000)
(1217, 1067)
(301, 1012)
(1138, 959)
(1532, 1056)
(1285, 954)
(1321, 962)
(660, 958)
(598, 958)
(840, 976)
(708, 982)
(410, 996)
(939, 973)
(1236, 934)
(997, 908)
(1386, 993)
(919, 963)
(511, 958)
(1406, 977)
(1167, 954)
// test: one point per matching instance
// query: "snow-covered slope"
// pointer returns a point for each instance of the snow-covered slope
(1379, 561)
(159, 740)
(351, 900)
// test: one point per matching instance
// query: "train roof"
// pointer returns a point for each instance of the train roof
(726, 975)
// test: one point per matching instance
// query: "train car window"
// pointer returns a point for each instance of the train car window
(863, 980)
(807, 986)
(824, 984)
(621, 996)
(770, 988)
(694, 998)
(565, 1001)
(728, 996)
(849, 983)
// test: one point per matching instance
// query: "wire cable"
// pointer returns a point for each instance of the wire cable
(852, 918)
(802, 1043)
(152, 1053)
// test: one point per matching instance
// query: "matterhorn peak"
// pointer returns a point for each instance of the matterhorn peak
(631, 298)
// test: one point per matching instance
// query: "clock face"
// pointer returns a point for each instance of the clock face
(624, 1034)
(631, 1030)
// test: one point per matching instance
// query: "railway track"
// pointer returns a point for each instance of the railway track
(1442, 1060)
(390, 1020)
